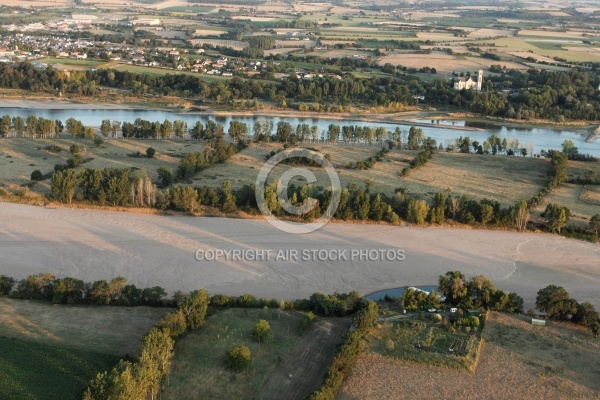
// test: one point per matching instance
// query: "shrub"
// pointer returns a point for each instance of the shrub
(306, 321)
(261, 330)
(239, 358)
(74, 149)
(98, 141)
(150, 152)
(74, 161)
(37, 175)
(175, 322)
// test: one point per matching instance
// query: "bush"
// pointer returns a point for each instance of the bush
(37, 175)
(239, 358)
(98, 141)
(74, 149)
(74, 161)
(306, 321)
(261, 330)
(54, 149)
(150, 152)
(175, 322)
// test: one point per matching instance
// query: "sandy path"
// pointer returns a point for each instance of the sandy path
(155, 250)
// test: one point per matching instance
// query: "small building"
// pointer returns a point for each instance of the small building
(535, 321)
(146, 21)
(469, 83)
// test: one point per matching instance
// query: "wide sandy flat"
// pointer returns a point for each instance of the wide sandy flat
(158, 250)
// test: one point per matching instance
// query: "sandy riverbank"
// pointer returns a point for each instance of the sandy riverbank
(154, 250)
(54, 104)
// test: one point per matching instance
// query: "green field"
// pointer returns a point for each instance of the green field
(70, 61)
(108, 330)
(198, 368)
(37, 371)
(185, 9)
(547, 45)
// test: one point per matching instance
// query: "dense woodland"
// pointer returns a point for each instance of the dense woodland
(514, 94)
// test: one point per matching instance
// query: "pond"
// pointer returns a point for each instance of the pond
(397, 292)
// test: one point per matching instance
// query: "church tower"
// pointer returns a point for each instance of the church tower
(479, 80)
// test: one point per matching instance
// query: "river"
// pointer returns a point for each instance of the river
(444, 132)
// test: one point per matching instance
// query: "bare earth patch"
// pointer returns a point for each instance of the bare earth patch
(152, 250)
(518, 361)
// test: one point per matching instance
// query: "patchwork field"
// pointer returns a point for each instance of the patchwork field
(198, 369)
(518, 361)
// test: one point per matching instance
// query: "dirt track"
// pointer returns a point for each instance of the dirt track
(154, 250)
(307, 362)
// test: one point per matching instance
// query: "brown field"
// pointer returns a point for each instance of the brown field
(518, 361)
(590, 195)
(36, 3)
(314, 7)
(479, 177)
(486, 32)
(442, 62)
(104, 329)
(498, 178)
(580, 200)
(208, 32)
(243, 167)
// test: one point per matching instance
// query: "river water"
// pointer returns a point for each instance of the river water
(444, 131)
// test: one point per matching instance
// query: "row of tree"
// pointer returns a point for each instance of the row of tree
(141, 379)
(341, 365)
(477, 293)
(68, 290)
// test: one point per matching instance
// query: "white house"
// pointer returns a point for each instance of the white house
(146, 21)
(469, 83)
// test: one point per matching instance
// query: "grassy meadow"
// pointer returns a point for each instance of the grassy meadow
(40, 371)
(500, 178)
(19, 157)
(109, 330)
(52, 351)
(198, 369)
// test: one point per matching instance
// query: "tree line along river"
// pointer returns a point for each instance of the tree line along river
(443, 132)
